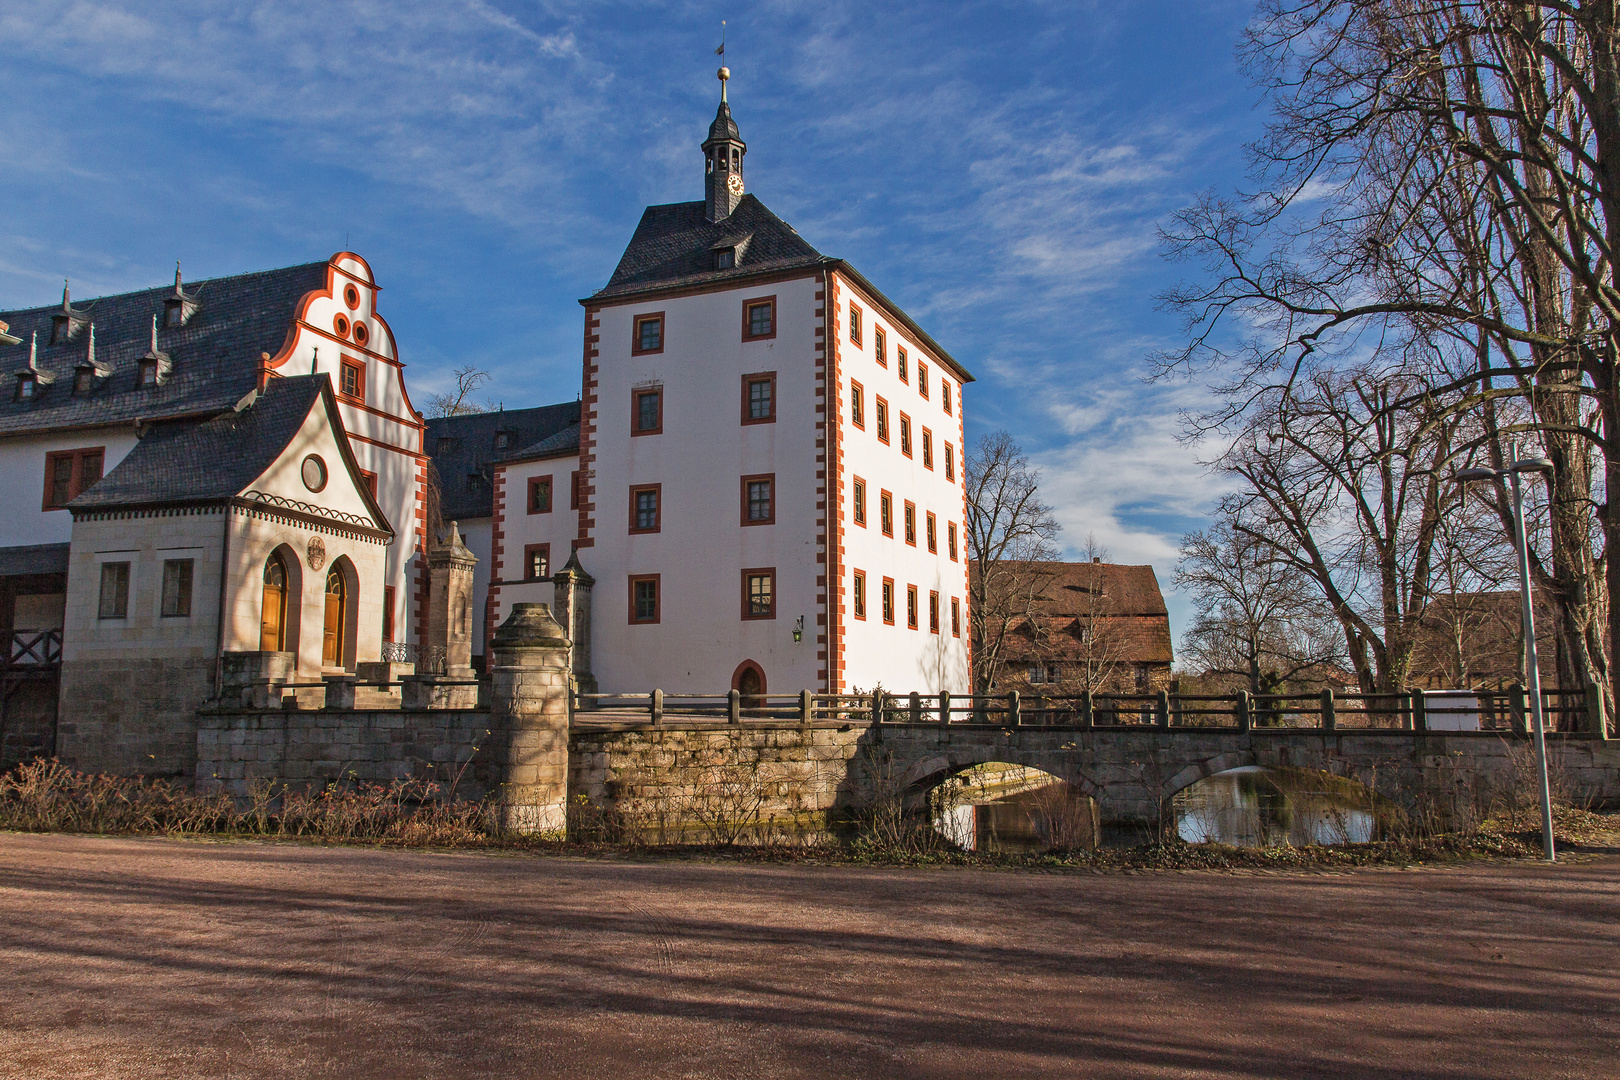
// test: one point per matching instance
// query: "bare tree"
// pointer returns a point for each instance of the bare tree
(1257, 619)
(455, 402)
(1009, 535)
(1095, 663)
(1437, 196)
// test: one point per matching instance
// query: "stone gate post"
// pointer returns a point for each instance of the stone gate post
(572, 592)
(529, 709)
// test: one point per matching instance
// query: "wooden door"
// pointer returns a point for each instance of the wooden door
(273, 607)
(751, 689)
(332, 640)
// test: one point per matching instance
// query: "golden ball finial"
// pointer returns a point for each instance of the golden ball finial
(724, 74)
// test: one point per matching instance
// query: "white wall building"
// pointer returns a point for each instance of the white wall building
(750, 408)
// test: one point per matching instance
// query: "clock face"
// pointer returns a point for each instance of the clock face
(735, 183)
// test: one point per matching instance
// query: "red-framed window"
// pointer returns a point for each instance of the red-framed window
(882, 421)
(950, 539)
(69, 472)
(759, 318)
(645, 598)
(646, 508)
(857, 592)
(885, 512)
(888, 600)
(950, 462)
(759, 593)
(933, 612)
(647, 333)
(880, 346)
(911, 523)
(857, 405)
(759, 499)
(956, 617)
(857, 501)
(370, 480)
(536, 562)
(647, 410)
(352, 379)
(922, 380)
(930, 533)
(945, 395)
(759, 398)
(540, 494)
(905, 434)
(854, 323)
(911, 607)
(928, 448)
(900, 364)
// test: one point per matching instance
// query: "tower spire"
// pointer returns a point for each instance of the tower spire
(723, 154)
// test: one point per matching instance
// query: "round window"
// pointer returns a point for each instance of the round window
(340, 323)
(351, 296)
(361, 333)
(314, 472)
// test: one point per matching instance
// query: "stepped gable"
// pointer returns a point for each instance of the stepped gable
(214, 356)
(463, 449)
(674, 245)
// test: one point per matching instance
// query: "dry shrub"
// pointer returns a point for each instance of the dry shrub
(46, 796)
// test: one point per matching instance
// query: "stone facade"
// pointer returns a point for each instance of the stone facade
(133, 716)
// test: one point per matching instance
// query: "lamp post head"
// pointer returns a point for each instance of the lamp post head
(1468, 476)
(1531, 464)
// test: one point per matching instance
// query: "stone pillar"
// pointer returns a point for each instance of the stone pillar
(450, 615)
(572, 592)
(529, 697)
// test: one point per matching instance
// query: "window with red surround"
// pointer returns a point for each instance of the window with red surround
(69, 472)
(956, 617)
(911, 607)
(352, 380)
(928, 448)
(857, 501)
(933, 612)
(759, 318)
(759, 499)
(900, 365)
(882, 421)
(759, 593)
(647, 334)
(540, 494)
(858, 593)
(370, 480)
(536, 562)
(911, 523)
(647, 410)
(928, 522)
(945, 395)
(759, 398)
(950, 462)
(857, 405)
(854, 324)
(646, 507)
(644, 598)
(905, 434)
(880, 346)
(950, 539)
(888, 600)
(886, 512)
(922, 379)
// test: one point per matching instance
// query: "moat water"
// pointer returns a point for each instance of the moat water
(1258, 807)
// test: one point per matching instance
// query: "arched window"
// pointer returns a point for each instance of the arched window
(337, 597)
(273, 613)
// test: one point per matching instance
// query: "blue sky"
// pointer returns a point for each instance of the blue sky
(998, 169)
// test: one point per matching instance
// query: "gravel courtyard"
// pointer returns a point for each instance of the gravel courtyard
(159, 958)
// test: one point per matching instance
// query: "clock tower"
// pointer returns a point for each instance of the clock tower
(723, 154)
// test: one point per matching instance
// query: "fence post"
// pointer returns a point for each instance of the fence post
(1597, 724)
(1420, 713)
(1015, 712)
(734, 707)
(655, 706)
(916, 707)
(1517, 704)
(1161, 709)
(1088, 718)
(1245, 712)
(944, 707)
(806, 706)
(877, 707)
(1330, 715)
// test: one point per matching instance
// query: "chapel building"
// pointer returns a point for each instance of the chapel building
(764, 491)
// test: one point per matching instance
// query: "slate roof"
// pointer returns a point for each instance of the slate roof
(215, 355)
(463, 451)
(34, 559)
(562, 444)
(724, 127)
(674, 245)
(197, 461)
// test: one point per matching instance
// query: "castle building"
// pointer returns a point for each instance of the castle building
(765, 488)
(156, 443)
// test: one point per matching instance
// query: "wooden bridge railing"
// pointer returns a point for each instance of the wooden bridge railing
(1414, 710)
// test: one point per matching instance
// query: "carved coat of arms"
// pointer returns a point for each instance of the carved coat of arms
(316, 554)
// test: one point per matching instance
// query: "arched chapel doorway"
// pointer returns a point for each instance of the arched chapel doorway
(273, 605)
(749, 682)
(337, 621)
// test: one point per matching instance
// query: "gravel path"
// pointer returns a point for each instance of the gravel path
(159, 958)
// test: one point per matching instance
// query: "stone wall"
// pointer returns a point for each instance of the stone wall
(28, 717)
(235, 748)
(132, 717)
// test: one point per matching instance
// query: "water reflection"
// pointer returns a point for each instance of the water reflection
(999, 807)
(1256, 807)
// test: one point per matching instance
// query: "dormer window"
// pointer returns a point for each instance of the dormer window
(84, 380)
(446, 445)
(503, 439)
(149, 373)
(725, 258)
(27, 385)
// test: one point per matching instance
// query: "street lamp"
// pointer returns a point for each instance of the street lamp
(1526, 465)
